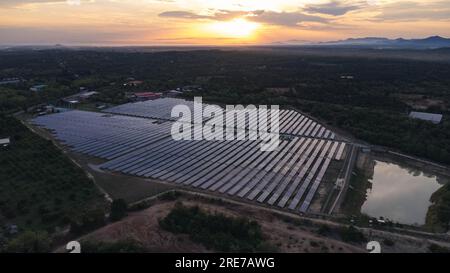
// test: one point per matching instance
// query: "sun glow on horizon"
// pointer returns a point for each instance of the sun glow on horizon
(218, 22)
(236, 28)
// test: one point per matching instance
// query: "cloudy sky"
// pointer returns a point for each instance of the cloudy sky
(216, 22)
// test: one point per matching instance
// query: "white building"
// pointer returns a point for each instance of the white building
(4, 142)
(434, 118)
(38, 88)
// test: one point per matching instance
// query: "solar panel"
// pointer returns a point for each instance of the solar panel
(278, 174)
(340, 153)
(305, 169)
(268, 169)
(286, 177)
(205, 181)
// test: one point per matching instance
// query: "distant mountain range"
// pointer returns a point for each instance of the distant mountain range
(379, 42)
(432, 42)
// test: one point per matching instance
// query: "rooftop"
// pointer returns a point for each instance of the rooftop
(4, 141)
(435, 118)
(147, 94)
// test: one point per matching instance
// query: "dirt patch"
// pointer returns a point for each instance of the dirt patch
(422, 102)
(143, 226)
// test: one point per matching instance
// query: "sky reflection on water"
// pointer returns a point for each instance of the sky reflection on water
(399, 194)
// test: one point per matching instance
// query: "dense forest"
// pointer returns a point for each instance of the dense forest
(40, 189)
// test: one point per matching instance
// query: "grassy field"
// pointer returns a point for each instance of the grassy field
(118, 186)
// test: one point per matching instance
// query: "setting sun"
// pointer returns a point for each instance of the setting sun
(236, 28)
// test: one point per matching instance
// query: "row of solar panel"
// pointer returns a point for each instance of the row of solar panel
(158, 109)
(237, 168)
(290, 122)
(104, 136)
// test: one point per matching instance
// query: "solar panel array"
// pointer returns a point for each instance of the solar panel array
(284, 177)
(157, 109)
(290, 122)
(103, 135)
(287, 177)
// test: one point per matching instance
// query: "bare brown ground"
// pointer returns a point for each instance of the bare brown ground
(143, 227)
(421, 102)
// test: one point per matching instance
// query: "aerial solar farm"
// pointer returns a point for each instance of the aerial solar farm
(135, 139)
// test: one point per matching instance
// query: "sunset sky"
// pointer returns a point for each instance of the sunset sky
(216, 22)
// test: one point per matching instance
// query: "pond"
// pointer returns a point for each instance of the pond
(399, 193)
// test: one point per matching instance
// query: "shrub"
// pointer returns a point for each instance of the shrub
(388, 242)
(118, 210)
(87, 221)
(434, 248)
(351, 234)
(324, 230)
(30, 242)
(125, 246)
(216, 231)
(169, 196)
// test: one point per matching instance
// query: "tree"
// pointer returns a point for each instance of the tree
(30, 242)
(124, 246)
(87, 221)
(118, 209)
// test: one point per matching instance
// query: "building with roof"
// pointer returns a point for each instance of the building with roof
(190, 88)
(133, 83)
(76, 99)
(38, 88)
(173, 93)
(434, 118)
(86, 95)
(5, 142)
(143, 96)
(10, 81)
